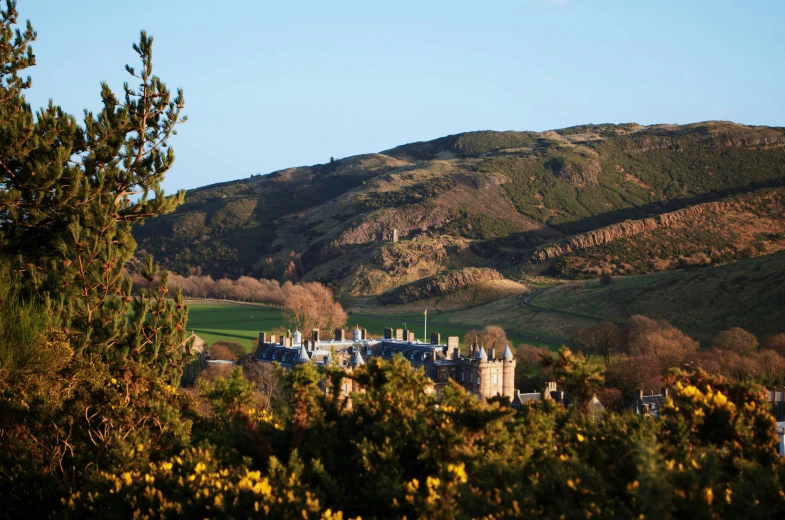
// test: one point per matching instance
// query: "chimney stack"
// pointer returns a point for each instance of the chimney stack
(664, 391)
(363, 333)
(491, 354)
(315, 335)
(339, 335)
(399, 334)
(262, 338)
(456, 353)
(410, 337)
(638, 394)
(388, 333)
(452, 344)
(436, 338)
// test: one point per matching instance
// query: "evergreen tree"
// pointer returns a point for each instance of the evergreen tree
(87, 372)
(70, 194)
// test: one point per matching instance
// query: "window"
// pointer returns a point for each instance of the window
(478, 379)
(462, 376)
(471, 377)
(495, 379)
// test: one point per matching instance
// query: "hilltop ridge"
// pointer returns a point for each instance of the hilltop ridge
(480, 199)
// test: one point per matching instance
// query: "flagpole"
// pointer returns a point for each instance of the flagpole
(425, 332)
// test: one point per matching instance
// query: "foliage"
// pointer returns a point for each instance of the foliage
(87, 371)
(398, 451)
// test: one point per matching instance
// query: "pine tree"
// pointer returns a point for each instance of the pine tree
(69, 195)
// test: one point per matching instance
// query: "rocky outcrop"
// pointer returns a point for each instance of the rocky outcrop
(623, 230)
(710, 134)
(439, 285)
(375, 225)
(580, 174)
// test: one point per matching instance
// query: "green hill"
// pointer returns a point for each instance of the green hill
(479, 199)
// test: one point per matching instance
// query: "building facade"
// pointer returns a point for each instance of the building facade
(480, 372)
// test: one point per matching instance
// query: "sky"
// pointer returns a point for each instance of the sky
(270, 85)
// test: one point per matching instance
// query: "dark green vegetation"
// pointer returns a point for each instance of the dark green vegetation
(480, 199)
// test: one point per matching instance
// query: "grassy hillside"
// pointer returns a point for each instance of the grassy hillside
(702, 302)
(480, 199)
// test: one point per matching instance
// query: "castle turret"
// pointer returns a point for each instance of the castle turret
(298, 338)
(302, 356)
(508, 373)
(358, 335)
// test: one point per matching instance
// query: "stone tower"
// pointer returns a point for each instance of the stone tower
(508, 373)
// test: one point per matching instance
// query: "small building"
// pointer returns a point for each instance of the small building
(648, 404)
(552, 392)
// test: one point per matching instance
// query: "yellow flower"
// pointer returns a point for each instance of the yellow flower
(708, 495)
(200, 467)
(580, 438)
(459, 470)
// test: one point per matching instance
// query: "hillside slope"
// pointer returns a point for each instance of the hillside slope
(701, 302)
(480, 199)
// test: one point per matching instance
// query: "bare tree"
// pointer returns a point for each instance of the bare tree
(312, 306)
(602, 339)
(491, 336)
(775, 342)
(736, 340)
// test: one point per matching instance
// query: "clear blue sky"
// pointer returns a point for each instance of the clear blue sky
(270, 85)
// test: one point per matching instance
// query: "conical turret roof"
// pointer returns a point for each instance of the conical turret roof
(302, 355)
(507, 353)
(357, 359)
(481, 354)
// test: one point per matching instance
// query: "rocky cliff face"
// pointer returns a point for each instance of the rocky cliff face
(439, 285)
(623, 230)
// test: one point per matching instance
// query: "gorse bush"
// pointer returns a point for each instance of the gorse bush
(398, 451)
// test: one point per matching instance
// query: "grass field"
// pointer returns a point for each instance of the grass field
(215, 321)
